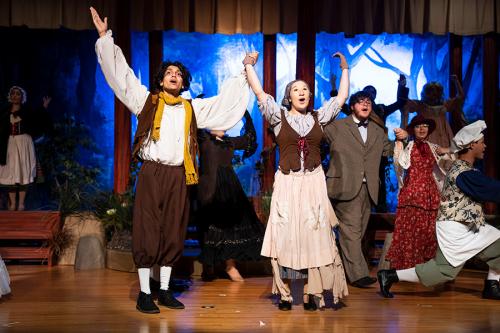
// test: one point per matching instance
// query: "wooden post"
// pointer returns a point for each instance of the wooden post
(455, 54)
(306, 45)
(270, 88)
(491, 110)
(155, 55)
(122, 114)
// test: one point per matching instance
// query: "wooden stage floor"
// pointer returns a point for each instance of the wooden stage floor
(63, 300)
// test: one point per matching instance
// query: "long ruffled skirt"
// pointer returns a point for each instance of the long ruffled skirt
(229, 225)
(299, 233)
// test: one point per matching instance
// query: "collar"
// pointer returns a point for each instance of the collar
(357, 121)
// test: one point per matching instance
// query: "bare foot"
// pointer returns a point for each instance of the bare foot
(20, 207)
(234, 274)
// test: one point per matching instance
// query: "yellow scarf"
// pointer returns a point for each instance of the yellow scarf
(191, 176)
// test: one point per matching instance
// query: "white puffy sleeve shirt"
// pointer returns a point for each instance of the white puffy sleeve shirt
(220, 112)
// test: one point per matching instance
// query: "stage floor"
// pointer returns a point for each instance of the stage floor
(63, 300)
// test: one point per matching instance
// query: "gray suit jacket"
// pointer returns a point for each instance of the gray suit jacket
(351, 159)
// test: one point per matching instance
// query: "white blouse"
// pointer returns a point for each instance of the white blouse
(402, 162)
(220, 112)
(302, 124)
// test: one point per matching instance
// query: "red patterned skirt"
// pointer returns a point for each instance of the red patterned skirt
(414, 238)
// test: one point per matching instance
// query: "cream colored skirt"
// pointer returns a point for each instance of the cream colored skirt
(21, 161)
(299, 231)
(4, 279)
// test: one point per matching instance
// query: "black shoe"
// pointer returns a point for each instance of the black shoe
(364, 282)
(310, 305)
(491, 289)
(285, 305)
(386, 278)
(154, 285)
(167, 298)
(145, 303)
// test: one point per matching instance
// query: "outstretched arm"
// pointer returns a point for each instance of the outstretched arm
(117, 72)
(478, 186)
(248, 140)
(330, 109)
(344, 79)
(223, 111)
(402, 97)
(253, 79)
(458, 87)
(267, 105)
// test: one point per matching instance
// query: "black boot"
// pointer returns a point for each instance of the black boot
(285, 305)
(491, 289)
(167, 298)
(310, 305)
(145, 303)
(386, 278)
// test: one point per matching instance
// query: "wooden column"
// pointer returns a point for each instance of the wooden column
(491, 110)
(270, 88)
(155, 55)
(306, 44)
(455, 43)
(122, 114)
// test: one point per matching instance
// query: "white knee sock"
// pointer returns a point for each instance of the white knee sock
(165, 272)
(493, 275)
(408, 275)
(144, 279)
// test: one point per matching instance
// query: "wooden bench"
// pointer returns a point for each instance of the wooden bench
(29, 226)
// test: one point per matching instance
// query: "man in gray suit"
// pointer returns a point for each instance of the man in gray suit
(356, 147)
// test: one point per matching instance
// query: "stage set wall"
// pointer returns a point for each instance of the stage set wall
(47, 59)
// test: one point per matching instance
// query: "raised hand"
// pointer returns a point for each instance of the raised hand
(251, 58)
(402, 80)
(400, 133)
(343, 60)
(217, 133)
(46, 101)
(100, 25)
(441, 151)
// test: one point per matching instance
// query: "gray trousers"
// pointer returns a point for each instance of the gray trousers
(439, 270)
(353, 218)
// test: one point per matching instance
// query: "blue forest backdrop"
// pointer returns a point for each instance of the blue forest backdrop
(62, 63)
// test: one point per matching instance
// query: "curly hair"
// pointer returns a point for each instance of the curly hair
(360, 95)
(432, 93)
(160, 74)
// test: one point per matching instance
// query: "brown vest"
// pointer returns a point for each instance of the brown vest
(288, 141)
(145, 124)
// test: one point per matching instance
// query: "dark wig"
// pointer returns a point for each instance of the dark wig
(160, 74)
(360, 95)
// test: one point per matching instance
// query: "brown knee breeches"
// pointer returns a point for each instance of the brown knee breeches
(161, 212)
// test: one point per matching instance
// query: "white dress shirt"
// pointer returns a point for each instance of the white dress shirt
(220, 112)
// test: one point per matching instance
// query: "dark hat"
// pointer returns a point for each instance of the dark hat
(418, 120)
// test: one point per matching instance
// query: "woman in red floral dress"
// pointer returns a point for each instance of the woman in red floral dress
(419, 166)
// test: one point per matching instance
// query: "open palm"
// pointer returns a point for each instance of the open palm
(100, 25)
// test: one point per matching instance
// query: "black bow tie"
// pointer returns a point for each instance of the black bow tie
(363, 123)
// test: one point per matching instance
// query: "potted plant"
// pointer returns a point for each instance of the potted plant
(115, 213)
(73, 184)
